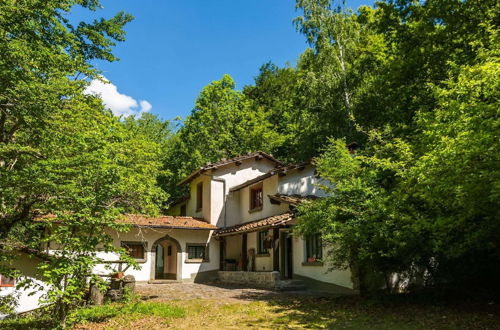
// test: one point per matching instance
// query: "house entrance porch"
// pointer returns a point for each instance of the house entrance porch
(166, 254)
(260, 258)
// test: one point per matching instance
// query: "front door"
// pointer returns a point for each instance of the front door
(286, 255)
(159, 262)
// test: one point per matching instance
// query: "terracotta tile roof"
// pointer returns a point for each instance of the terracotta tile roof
(281, 170)
(223, 162)
(291, 199)
(166, 221)
(140, 220)
(273, 221)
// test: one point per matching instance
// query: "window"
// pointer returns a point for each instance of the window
(262, 242)
(7, 281)
(197, 252)
(134, 249)
(256, 197)
(314, 248)
(199, 196)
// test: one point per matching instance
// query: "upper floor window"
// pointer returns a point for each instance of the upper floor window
(314, 248)
(199, 196)
(256, 197)
(7, 281)
(134, 249)
(183, 210)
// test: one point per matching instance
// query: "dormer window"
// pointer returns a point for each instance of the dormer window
(256, 197)
(199, 196)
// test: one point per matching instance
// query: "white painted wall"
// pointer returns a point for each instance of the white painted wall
(233, 247)
(269, 187)
(28, 268)
(301, 182)
(213, 195)
(319, 273)
(262, 262)
(234, 176)
(191, 203)
(150, 236)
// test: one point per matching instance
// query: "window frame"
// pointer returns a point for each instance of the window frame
(261, 245)
(197, 260)
(199, 196)
(313, 250)
(125, 244)
(4, 278)
(258, 187)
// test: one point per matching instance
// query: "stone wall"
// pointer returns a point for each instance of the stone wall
(268, 280)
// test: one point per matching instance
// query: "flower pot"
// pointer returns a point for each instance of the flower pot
(117, 275)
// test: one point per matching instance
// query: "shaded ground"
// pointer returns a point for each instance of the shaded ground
(199, 306)
(223, 307)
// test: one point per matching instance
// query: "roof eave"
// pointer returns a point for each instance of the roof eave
(172, 227)
(202, 169)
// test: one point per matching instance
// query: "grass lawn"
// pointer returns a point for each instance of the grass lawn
(284, 313)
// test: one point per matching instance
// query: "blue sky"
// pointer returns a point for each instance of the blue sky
(174, 48)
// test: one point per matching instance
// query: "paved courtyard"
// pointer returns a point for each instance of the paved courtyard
(212, 291)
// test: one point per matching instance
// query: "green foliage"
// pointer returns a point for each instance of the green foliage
(420, 198)
(8, 304)
(223, 124)
(28, 322)
(61, 151)
(104, 312)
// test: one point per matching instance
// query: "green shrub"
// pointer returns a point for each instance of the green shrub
(104, 312)
(27, 322)
(156, 308)
(95, 313)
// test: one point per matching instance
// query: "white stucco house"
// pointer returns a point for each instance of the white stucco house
(235, 225)
(251, 200)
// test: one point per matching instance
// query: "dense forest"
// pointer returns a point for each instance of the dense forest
(413, 83)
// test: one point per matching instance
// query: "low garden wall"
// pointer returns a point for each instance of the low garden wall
(268, 280)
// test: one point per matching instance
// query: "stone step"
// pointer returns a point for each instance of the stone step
(163, 281)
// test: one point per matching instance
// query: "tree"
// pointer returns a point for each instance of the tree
(42, 55)
(223, 124)
(459, 163)
(420, 196)
(61, 152)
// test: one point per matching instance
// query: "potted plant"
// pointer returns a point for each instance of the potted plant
(117, 275)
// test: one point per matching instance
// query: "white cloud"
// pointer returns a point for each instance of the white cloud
(120, 104)
(145, 106)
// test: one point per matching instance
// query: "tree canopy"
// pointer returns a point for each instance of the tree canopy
(414, 83)
(62, 153)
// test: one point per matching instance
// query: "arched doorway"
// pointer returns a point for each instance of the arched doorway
(166, 261)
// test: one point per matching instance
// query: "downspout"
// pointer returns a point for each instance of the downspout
(223, 193)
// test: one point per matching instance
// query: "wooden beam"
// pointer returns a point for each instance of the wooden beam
(222, 253)
(244, 239)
